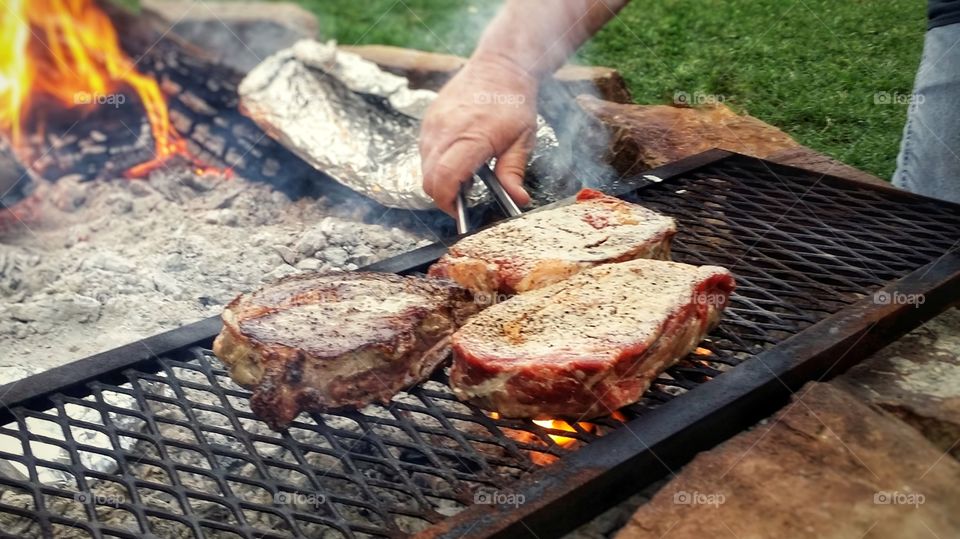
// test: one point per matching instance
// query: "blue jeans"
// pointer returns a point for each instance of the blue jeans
(929, 160)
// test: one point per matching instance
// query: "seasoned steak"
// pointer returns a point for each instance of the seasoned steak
(546, 247)
(325, 341)
(588, 345)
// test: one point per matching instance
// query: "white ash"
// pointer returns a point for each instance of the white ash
(111, 262)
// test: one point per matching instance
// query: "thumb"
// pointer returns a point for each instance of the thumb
(510, 169)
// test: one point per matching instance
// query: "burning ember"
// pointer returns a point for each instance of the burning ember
(557, 424)
(554, 424)
(67, 52)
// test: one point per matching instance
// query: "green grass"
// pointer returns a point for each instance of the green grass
(810, 67)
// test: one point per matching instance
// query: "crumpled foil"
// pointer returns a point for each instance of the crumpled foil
(352, 120)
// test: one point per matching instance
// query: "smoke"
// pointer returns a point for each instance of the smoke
(583, 140)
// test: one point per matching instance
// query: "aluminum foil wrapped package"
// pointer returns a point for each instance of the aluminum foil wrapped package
(350, 119)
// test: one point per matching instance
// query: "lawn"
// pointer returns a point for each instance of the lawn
(810, 67)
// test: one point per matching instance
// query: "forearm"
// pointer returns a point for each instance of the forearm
(536, 36)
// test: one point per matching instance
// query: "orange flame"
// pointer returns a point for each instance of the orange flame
(68, 50)
(556, 424)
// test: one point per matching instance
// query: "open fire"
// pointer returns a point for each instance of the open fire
(64, 54)
(568, 442)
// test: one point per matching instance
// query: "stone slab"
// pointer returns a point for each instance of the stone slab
(647, 136)
(918, 380)
(827, 465)
(431, 70)
(238, 34)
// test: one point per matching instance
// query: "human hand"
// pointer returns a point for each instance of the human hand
(488, 109)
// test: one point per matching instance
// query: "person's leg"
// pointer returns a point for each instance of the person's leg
(929, 160)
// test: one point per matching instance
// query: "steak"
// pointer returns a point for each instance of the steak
(548, 246)
(588, 345)
(325, 341)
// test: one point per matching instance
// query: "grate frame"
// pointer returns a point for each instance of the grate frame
(799, 314)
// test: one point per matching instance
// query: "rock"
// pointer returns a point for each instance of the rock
(108, 262)
(200, 182)
(825, 466)
(225, 217)
(46, 312)
(312, 240)
(646, 136)
(401, 237)
(225, 200)
(917, 379)
(335, 255)
(167, 286)
(68, 193)
(238, 34)
(431, 70)
(287, 254)
(309, 264)
(121, 203)
(601, 82)
(279, 273)
(174, 262)
(229, 217)
(363, 255)
(140, 188)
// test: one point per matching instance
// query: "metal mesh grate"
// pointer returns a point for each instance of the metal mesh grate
(171, 447)
(192, 460)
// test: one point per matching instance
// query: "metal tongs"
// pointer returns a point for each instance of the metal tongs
(507, 205)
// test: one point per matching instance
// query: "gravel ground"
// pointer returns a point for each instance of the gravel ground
(105, 263)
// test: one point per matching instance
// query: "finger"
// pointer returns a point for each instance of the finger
(453, 166)
(510, 169)
(431, 143)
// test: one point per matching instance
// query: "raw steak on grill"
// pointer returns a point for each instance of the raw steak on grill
(588, 345)
(325, 341)
(546, 247)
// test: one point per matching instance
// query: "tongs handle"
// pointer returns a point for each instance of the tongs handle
(463, 224)
(493, 183)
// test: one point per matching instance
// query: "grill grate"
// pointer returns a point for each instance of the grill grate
(193, 460)
(169, 446)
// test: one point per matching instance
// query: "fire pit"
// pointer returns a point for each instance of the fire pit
(116, 233)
